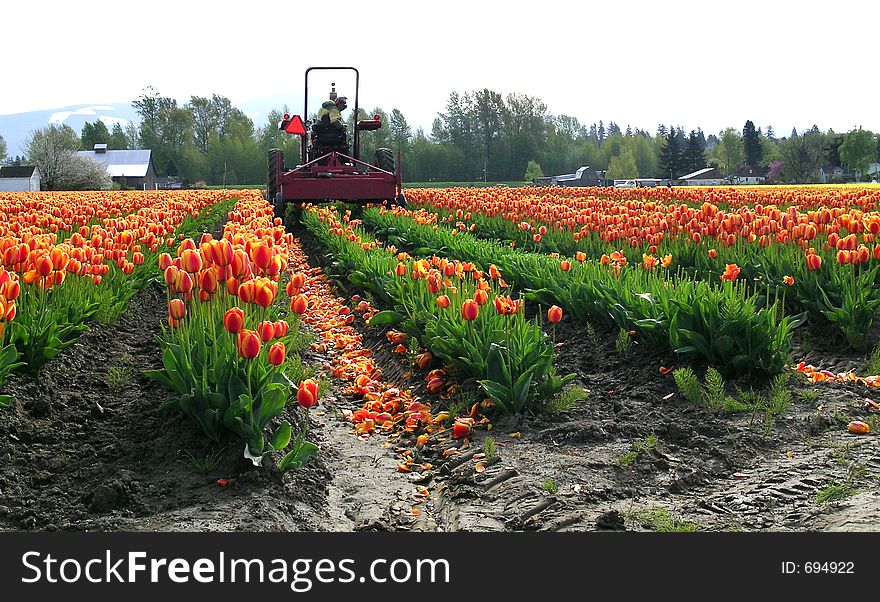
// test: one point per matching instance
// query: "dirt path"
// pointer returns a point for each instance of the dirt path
(78, 452)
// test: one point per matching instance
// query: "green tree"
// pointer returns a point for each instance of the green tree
(401, 133)
(533, 170)
(2, 150)
(622, 167)
(118, 140)
(671, 159)
(94, 133)
(858, 150)
(695, 151)
(751, 144)
(801, 157)
(730, 152)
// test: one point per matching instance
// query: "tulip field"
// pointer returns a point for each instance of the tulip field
(483, 359)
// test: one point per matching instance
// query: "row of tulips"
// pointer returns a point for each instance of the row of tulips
(229, 352)
(724, 325)
(835, 281)
(69, 256)
(257, 240)
(462, 315)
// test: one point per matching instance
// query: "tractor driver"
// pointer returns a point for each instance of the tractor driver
(333, 109)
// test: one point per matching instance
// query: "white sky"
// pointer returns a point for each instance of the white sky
(637, 62)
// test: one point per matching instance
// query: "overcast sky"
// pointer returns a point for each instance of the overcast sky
(706, 64)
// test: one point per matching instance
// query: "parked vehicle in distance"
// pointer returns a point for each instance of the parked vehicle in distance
(639, 183)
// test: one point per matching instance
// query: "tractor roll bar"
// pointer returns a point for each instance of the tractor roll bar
(357, 78)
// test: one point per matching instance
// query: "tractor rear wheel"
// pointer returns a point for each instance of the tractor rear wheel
(275, 169)
(385, 159)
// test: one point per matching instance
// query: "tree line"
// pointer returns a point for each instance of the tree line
(479, 135)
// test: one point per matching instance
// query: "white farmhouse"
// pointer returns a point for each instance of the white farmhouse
(19, 178)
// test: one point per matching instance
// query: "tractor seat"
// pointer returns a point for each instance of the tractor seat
(329, 134)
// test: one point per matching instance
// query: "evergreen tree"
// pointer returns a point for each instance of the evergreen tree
(613, 129)
(751, 144)
(600, 133)
(671, 159)
(695, 152)
(770, 135)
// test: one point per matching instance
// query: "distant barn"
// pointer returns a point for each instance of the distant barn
(582, 177)
(127, 168)
(708, 176)
(19, 178)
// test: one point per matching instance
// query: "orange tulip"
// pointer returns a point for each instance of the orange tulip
(788, 280)
(264, 294)
(443, 301)
(713, 254)
(481, 297)
(814, 262)
(731, 271)
(307, 394)
(580, 256)
(400, 270)
(299, 304)
(554, 314)
(565, 265)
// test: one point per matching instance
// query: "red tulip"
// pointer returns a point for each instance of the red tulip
(565, 265)
(462, 428)
(481, 297)
(233, 320)
(249, 344)
(443, 301)
(400, 270)
(262, 256)
(470, 310)
(814, 262)
(176, 309)
(164, 261)
(246, 291)
(266, 330)
(277, 354)
(191, 261)
(281, 328)
(554, 314)
(208, 282)
(43, 265)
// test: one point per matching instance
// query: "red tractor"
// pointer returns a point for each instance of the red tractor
(332, 169)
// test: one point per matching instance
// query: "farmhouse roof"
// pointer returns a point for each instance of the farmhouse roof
(122, 163)
(14, 171)
(700, 172)
(750, 171)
